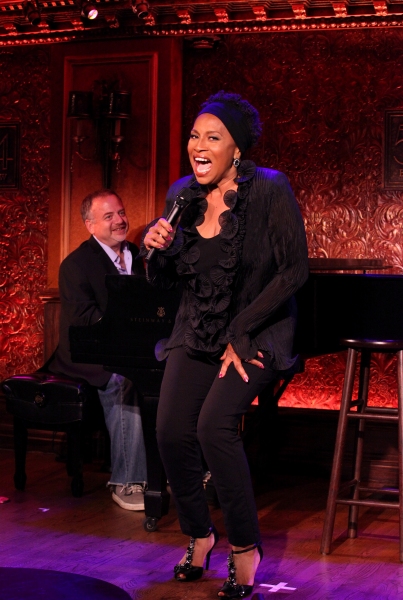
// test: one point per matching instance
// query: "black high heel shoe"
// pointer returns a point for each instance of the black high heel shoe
(232, 589)
(190, 572)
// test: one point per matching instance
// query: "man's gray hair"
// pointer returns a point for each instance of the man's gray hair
(86, 204)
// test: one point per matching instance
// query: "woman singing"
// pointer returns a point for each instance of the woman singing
(240, 253)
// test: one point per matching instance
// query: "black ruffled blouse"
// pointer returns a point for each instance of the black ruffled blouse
(203, 329)
(246, 296)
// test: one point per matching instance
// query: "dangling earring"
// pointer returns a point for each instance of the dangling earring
(236, 162)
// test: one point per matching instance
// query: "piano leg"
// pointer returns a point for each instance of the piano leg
(156, 499)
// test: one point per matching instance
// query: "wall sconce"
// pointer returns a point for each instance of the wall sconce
(141, 8)
(108, 114)
(80, 109)
(87, 9)
(32, 11)
(115, 108)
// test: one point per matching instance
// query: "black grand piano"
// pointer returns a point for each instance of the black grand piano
(331, 306)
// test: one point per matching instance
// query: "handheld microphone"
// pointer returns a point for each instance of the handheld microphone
(181, 202)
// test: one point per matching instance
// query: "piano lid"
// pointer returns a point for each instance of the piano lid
(332, 306)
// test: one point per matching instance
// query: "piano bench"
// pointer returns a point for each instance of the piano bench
(360, 412)
(43, 400)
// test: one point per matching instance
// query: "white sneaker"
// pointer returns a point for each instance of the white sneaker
(130, 497)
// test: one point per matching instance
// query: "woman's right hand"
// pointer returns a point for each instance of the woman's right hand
(160, 235)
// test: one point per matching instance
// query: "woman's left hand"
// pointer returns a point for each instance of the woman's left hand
(230, 356)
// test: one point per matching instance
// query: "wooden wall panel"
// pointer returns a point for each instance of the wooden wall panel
(135, 181)
(150, 151)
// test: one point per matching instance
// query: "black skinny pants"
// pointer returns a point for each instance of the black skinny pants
(197, 410)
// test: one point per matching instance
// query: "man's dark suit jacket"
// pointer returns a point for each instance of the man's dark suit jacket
(84, 297)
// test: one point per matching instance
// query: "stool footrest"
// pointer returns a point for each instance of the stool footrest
(383, 410)
(375, 503)
(383, 490)
(362, 488)
(372, 417)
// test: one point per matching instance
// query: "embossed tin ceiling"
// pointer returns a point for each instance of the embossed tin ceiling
(194, 19)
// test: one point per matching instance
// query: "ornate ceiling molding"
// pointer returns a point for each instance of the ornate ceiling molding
(200, 22)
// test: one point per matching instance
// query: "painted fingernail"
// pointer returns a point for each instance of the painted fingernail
(220, 376)
(261, 366)
(246, 379)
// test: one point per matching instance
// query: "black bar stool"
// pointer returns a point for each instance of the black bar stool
(358, 409)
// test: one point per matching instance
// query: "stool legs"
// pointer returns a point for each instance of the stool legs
(359, 440)
(156, 497)
(339, 449)
(363, 413)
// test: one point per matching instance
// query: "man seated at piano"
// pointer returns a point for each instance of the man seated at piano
(84, 297)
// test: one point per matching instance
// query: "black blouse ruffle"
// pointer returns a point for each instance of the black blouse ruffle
(209, 294)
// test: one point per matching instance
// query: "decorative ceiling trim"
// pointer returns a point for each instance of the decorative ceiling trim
(200, 22)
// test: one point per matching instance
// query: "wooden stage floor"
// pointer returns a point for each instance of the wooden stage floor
(44, 527)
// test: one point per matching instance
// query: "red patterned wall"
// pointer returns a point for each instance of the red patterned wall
(24, 96)
(322, 98)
